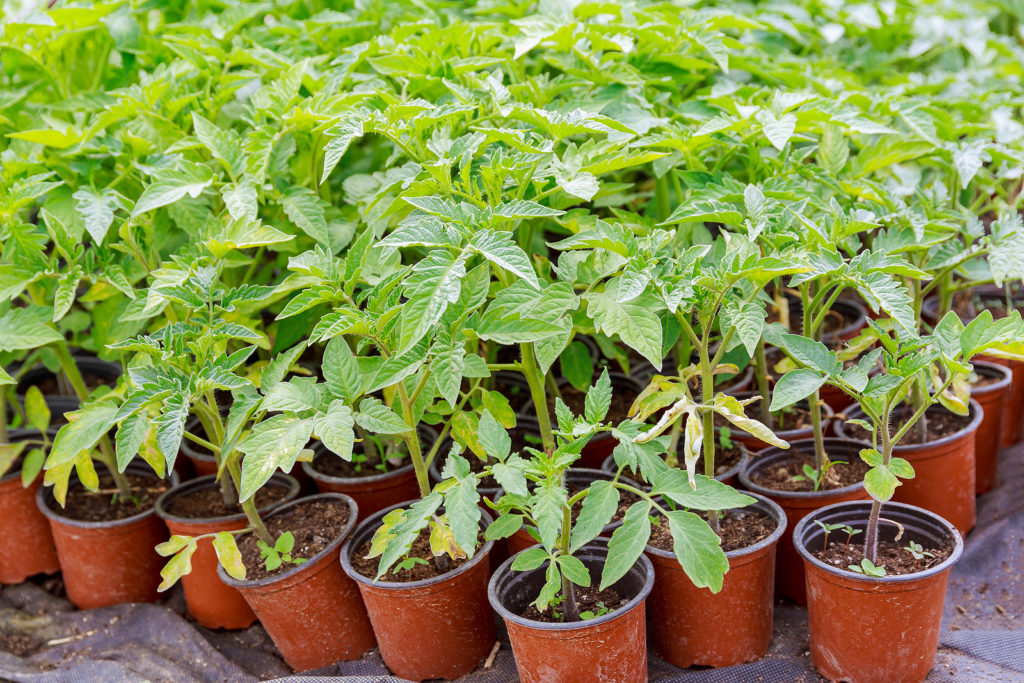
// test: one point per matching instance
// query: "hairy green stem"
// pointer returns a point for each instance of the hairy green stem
(540, 401)
(412, 441)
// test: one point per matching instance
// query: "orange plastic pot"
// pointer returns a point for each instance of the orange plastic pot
(1013, 403)
(692, 626)
(789, 574)
(26, 544)
(377, 491)
(579, 476)
(991, 398)
(866, 629)
(440, 627)
(210, 601)
(944, 472)
(611, 647)
(313, 611)
(107, 563)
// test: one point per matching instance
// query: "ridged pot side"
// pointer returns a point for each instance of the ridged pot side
(992, 398)
(312, 612)
(944, 472)
(26, 544)
(1013, 404)
(865, 629)
(107, 563)
(612, 647)
(789, 574)
(440, 627)
(211, 602)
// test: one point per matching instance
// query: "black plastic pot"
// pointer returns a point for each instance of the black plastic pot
(611, 647)
(65, 403)
(856, 620)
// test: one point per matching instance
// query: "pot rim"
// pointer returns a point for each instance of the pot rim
(316, 560)
(1004, 371)
(81, 359)
(958, 544)
(976, 411)
(347, 550)
(45, 494)
(508, 615)
(799, 495)
(286, 480)
(320, 450)
(774, 509)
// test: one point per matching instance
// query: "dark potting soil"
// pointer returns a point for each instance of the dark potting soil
(334, 466)
(587, 600)
(522, 437)
(315, 524)
(941, 423)
(50, 387)
(419, 571)
(986, 377)
(739, 528)
(622, 400)
(105, 506)
(845, 471)
(207, 502)
(518, 396)
(896, 559)
(725, 460)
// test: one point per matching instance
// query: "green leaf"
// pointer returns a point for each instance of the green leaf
(596, 512)
(627, 543)
(339, 137)
(503, 527)
(447, 367)
(636, 322)
(96, 210)
(223, 145)
(335, 429)
(435, 283)
(306, 211)
(179, 565)
(341, 370)
(599, 399)
(273, 444)
(833, 150)
(493, 437)
(880, 483)
(574, 570)
(241, 202)
(462, 509)
(130, 436)
(228, 555)
(812, 353)
(549, 499)
(81, 434)
(577, 365)
(709, 494)
(498, 248)
(36, 409)
(22, 329)
(524, 208)
(529, 559)
(170, 186)
(499, 407)
(794, 386)
(901, 468)
(379, 419)
(698, 550)
(777, 130)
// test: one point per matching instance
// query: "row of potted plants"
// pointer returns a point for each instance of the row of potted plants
(524, 316)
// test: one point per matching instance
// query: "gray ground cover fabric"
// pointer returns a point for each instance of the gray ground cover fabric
(982, 638)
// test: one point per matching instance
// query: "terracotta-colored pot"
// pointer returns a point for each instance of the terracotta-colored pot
(377, 491)
(210, 601)
(944, 471)
(992, 398)
(578, 476)
(313, 611)
(692, 626)
(755, 445)
(1013, 403)
(433, 628)
(611, 647)
(864, 628)
(601, 445)
(729, 476)
(789, 576)
(26, 544)
(107, 563)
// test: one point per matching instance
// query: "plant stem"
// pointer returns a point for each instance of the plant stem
(540, 401)
(814, 400)
(707, 380)
(412, 441)
(571, 609)
(252, 515)
(761, 377)
(3, 414)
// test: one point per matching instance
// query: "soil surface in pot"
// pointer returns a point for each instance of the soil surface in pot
(784, 421)
(622, 400)
(587, 600)
(50, 387)
(419, 571)
(334, 466)
(207, 502)
(313, 523)
(101, 506)
(517, 394)
(844, 472)
(941, 423)
(896, 559)
(725, 460)
(985, 377)
(740, 528)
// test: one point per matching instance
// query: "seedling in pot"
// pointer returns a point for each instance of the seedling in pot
(815, 476)
(918, 552)
(280, 553)
(868, 567)
(599, 612)
(828, 529)
(850, 533)
(942, 357)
